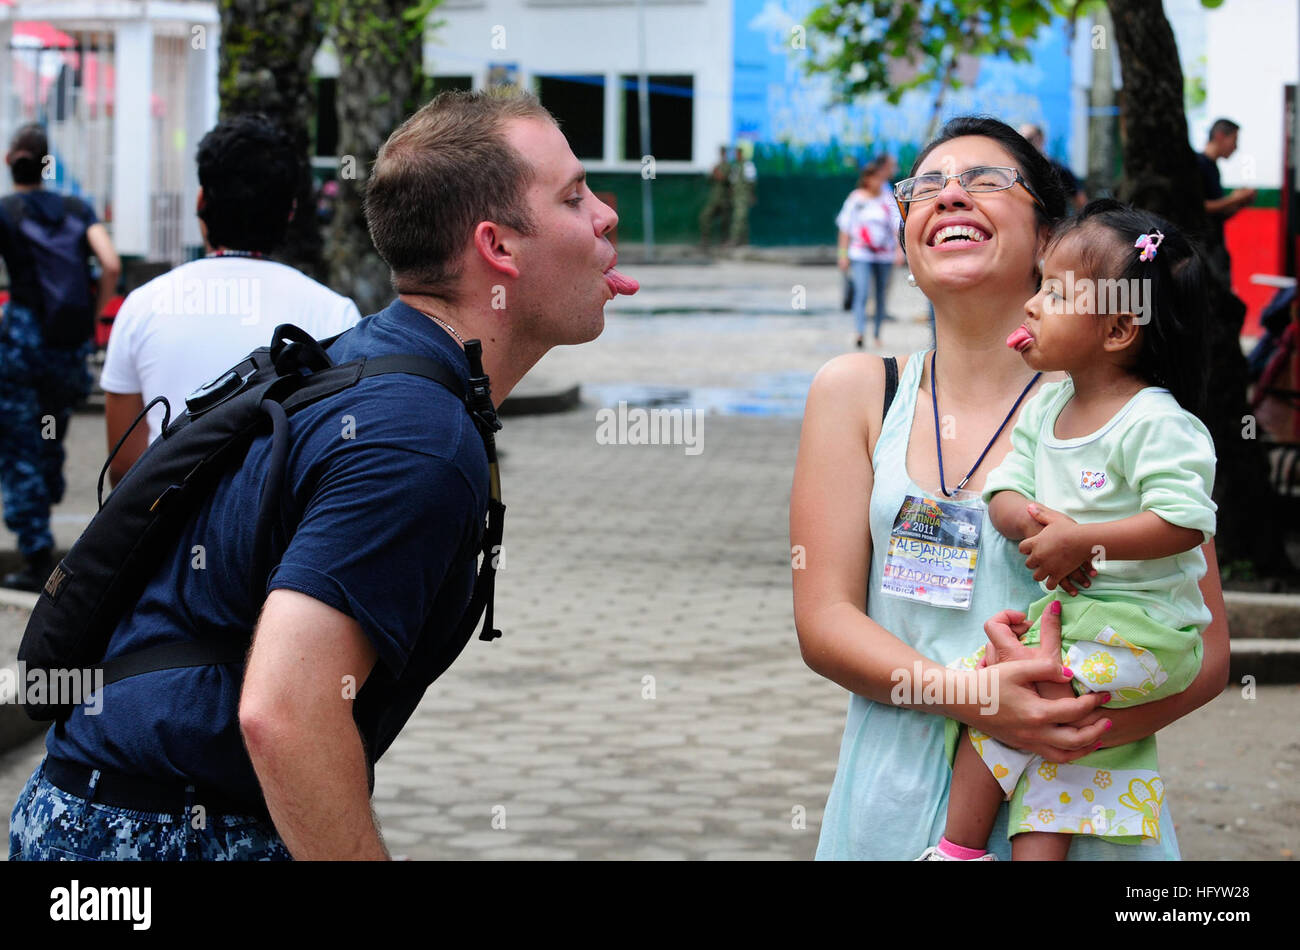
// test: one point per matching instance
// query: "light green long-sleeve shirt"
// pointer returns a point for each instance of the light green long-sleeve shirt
(1152, 455)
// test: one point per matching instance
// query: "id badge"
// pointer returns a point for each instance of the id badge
(933, 548)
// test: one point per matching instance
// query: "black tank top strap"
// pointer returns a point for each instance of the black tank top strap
(891, 383)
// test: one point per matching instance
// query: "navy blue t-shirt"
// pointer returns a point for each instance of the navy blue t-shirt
(48, 207)
(389, 490)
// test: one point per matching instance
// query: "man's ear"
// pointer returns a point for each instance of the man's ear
(497, 245)
(198, 201)
(1122, 331)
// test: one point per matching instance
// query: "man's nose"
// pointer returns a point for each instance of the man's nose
(606, 218)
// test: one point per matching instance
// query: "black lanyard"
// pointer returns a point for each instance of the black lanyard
(938, 440)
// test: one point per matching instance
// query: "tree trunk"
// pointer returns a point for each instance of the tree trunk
(1101, 100)
(266, 52)
(1161, 175)
(380, 75)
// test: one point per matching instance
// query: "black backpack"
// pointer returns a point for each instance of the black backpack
(108, 567)
(67, 305)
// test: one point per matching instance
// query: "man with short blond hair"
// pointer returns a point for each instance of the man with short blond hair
(484, 216)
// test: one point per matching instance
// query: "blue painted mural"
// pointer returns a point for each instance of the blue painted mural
(795, 130)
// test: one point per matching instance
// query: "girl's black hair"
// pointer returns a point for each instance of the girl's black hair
(1173, 352)
(1034, 166)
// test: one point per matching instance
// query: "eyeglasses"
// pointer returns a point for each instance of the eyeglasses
(975, 181)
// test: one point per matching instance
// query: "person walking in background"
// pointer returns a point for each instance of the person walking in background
(868, 245)
(1218, 206)
(181, 329)
(718, 207)
(46, 240)
(1075, 198)
(744, 182)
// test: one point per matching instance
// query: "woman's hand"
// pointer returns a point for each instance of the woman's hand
(1020, 717)
(1004, 631)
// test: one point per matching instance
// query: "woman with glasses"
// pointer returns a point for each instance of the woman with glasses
(900, 566)
(868, 245)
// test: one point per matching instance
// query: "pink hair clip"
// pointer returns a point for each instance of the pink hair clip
(1149, 243)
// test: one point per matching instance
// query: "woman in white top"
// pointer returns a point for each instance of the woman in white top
(868, 243)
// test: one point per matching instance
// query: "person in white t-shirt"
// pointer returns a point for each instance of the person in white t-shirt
(868, 242)
(187, 326)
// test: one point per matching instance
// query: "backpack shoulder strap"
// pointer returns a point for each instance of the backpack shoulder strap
(891, 383)
(415, 366)
(201, 653)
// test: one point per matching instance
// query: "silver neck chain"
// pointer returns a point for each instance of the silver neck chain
(449, 328)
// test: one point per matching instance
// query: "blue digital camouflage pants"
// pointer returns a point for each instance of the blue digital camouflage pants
(49, 824)
(39, 385)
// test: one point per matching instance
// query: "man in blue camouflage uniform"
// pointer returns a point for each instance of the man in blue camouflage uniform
(39, 383)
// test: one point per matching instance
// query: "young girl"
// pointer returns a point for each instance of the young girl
(1107, 487)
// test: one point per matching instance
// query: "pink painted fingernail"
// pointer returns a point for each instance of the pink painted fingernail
(1067, 672)
(1105, 698)
(1054, 607)
(1109, 723)
(1096, 747)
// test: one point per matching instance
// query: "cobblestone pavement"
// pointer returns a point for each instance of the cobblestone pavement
(648, 700)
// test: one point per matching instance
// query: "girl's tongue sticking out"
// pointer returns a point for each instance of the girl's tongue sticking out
(1020, 339)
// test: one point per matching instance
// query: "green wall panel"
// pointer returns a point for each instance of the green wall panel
(791, 210)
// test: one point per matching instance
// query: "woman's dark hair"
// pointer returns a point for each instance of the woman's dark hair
(1034, 166)
(250, 175)
(1173, 351)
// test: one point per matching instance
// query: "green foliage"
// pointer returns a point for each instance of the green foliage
(855, 41)
(364, 28)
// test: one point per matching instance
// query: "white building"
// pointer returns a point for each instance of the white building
(583, 59)
(125, 88)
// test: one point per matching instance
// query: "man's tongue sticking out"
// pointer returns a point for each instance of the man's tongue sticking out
(621, 283)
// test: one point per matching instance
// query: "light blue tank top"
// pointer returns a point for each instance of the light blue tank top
(889, 800)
